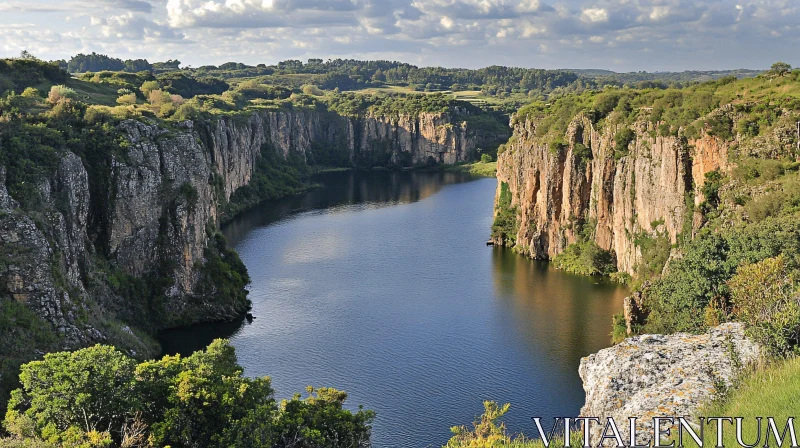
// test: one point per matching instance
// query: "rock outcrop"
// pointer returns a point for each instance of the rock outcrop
(663, 376)
(641, 191)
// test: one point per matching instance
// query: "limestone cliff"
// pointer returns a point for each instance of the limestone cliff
(645, 190)
(131, 239)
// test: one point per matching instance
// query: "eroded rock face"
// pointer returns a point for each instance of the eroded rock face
(41, 265)
(663, 376)
(161, 194)
(642, 192)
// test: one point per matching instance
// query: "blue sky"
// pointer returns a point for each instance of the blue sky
(621, 35)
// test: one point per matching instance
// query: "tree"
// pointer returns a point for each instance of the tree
(780, 69)
(310, 89)
(321, 421)
(486, 158)
(26, 55)
(149, 86)
(128, 99)
(88, 390)
(98, 396)
(764, 297)
(60, 92)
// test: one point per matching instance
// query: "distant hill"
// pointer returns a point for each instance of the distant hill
(684, 76)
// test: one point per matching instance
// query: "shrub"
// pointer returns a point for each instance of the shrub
(488, 431)
(149, 86)
(158, 98)
(677, 301)
(310, 89)
(622, 141)
(486, 158)
(186, 111)
(585, 257)
(254, 90)
(30, 92)
(95, 396)
(235, 98)
(710, 190)
(655, 253)
(720, 126)
(764, 297)
(582, 154)
(177, 100)
(60, 92)
(505, 225)
(128, 99)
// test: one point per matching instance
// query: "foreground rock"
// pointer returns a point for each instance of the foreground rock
(660, 376)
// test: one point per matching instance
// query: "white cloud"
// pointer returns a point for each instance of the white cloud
(646, 34)
(659, 12)
(595, 15)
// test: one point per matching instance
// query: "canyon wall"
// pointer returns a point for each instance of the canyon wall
(645, 191)
(104, 236)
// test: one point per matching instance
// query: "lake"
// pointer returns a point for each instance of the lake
(381, 284)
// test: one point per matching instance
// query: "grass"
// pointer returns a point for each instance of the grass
(484, 169)
(769, 391)
(88, 92)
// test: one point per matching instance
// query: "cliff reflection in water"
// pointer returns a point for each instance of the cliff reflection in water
(378, 188)
(571, 313)
(381, 284)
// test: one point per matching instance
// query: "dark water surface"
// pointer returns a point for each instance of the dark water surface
(381, 284)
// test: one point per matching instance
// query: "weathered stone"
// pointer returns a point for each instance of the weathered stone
(633, 311)
(663, 376)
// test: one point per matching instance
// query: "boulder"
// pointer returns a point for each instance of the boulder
(663, 375)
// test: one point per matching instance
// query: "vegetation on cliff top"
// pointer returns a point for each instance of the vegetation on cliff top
(761, 99)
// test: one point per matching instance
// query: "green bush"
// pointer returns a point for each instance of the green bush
(585, 257)
(24, 333)
(764, 297)
(710, 190)
(98, 396)
(486, 158)
(780, 199)
(60, 92)
(505, 225)
(655, 253)
(582, 154)
(678, 300)
(622, 141)
(721, 126)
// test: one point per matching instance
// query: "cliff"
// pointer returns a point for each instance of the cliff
(645, 187)
(122, 241)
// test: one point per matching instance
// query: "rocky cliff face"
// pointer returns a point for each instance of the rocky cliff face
(646, 190)
(86, 258)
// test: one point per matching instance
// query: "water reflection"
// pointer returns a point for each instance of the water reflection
(406, 309)
(342, 189)
(573, 313)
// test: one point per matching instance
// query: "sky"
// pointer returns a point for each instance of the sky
(619, 35)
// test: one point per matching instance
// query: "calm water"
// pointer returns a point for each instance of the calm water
(381, 284)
